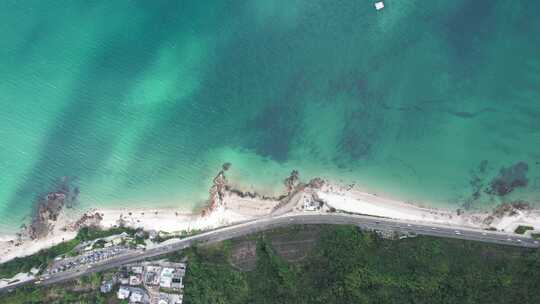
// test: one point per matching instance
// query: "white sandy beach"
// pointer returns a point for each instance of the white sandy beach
(355, 201)
(234, 209)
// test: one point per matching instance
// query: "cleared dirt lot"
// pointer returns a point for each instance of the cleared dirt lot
(292, 244)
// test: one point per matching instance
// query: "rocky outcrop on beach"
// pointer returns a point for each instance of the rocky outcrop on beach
(217, 190)
(295, 189)
(507, 209)
(89, 219)
(220, 188)
(293, 186)
(49, 208)
(316, 183)
(292, 181)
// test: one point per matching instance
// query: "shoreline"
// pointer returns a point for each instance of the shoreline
(228, 206)
(230, 209)
(503, 218)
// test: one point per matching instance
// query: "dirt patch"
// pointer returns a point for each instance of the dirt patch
(293, 244)
(244, 255)
(294, 251)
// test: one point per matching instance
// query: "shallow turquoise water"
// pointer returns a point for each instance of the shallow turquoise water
(142, 101)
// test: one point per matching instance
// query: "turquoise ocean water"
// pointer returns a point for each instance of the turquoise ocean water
(142, 101)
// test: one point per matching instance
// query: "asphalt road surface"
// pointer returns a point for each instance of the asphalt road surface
(250, 227)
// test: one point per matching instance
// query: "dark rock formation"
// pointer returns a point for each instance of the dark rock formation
(510, 208)
(249, 194)
(50, 206)
(521, 205)
(509, 179)
(482, 168)
(220, 187)
(291, 181)
(477, 184)
(48, 210)
(217, 191)
(88, 220)
(488, 220)
(316, 183)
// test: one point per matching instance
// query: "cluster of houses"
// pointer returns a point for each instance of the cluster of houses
(150, 282)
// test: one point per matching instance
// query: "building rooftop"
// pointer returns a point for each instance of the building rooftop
(170, 298)
(166, 277)
(123, 293)
(136, 297)
(106, 287)
(137, 269)
(135, 280)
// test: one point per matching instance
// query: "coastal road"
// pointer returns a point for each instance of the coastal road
(250, 227)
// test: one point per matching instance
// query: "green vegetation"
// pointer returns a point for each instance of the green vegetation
(212, 280)
(99, 244)
(43, 257)
(46, 256)
(163, 236)
(27, 294)
(523, 229)
(84, 290)
(88, 233)
(348, 266)
(535, 235)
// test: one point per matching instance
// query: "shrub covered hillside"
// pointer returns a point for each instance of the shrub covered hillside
(349, 266)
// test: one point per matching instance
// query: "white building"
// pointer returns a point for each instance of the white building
(136, 297)
(117, 239)
(166, 277)
(170, 298)
(172, 276)
(135, 280)
(177, 299)
(123, 293)
(124, 280)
